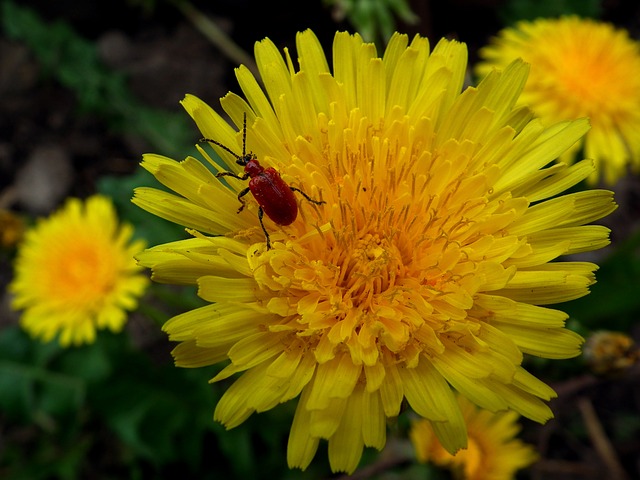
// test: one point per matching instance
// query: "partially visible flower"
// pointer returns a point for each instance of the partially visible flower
(579, 68)
(428, 266)
(11, 229)
(610, 352)
(75, 273)
(493, 451)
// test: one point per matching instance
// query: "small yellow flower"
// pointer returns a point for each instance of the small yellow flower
(75, 273)
(579, 68)
(610, 352)
(493, 452)
(427, 267)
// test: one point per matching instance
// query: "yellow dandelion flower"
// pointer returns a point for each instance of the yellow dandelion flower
(579, 68)
(493, 452)
(426, 268)
(75, 273)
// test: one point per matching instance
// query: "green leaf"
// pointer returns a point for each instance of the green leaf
(374, 19)
(16, 391)
(516, 10)
(614, 301)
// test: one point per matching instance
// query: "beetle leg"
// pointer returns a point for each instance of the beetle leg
(241, 200)
(309, 199)
(260, 215)
(231, 174)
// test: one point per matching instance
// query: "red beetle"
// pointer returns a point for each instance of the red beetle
(274, 196)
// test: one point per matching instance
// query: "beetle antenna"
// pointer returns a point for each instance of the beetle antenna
(221, 146)
(244, 135)
(244, 141)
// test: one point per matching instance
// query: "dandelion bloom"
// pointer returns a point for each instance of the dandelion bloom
(579, 68)
(493, 452)
(75, 273)
(425, 269)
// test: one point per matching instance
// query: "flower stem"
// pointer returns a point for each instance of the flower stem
(215, 35)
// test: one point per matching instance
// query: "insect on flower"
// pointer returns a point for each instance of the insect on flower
(274, 196)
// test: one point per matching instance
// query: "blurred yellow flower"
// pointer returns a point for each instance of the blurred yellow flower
(609, 353)
(579, 68)
(493, 452)
(75, 273)
(425, 268)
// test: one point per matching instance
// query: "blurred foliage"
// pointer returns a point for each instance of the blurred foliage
(515, 10)
(109, 409)
(106, 400)
(147, 226)
(73, 61)
(614, 302)
(373, 19)
(145, 6)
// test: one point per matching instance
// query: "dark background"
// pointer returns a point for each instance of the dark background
(60, 136)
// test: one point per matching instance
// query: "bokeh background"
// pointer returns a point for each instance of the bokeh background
(85, 89)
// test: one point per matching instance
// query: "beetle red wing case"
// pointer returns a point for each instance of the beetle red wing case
(274, 196)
